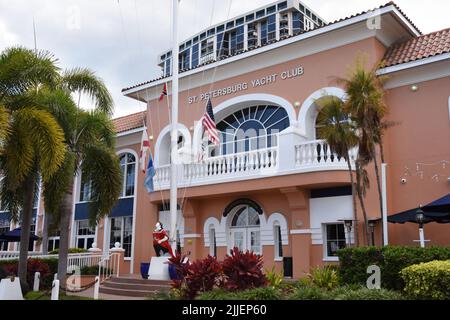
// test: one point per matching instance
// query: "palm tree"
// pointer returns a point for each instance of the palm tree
(33, 143)
(90, 139)
(339, 133)
(365, 102)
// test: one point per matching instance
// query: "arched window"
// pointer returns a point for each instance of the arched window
(212, 242)
(250, 128)
(245, 217)
(128, 167)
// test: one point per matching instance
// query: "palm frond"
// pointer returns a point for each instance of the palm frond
(58, 185)
(42, 137)
(22, 69)
(95, 127)
(86, 82)
(102, 165)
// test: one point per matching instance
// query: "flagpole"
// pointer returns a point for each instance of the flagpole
(174, 131)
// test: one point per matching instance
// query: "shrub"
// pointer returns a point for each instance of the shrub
(93, 271)
(34, 265)
(324, 277)
(202, 276)
(274, 279)
(71, 250)
(217, 294)
(243, 270)
(310, 293)
(11, 268)
(428, 280)
(391, 260)
(362, 293)
(266, 293)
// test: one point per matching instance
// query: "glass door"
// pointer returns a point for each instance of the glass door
(238, 239)
(254, 240)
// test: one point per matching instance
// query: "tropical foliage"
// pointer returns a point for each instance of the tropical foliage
(32, 142)
(429, 280)
(44, 133)
(357, 122)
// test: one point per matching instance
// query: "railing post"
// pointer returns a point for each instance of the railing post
(37, 278)
(96, 287)
(55, 290)
(118, 253)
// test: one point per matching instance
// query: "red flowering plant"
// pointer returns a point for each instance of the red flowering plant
(179, 263)
(202, 276)
(199, 276)
(243, 270)
(33, 266)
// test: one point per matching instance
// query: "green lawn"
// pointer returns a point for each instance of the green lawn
(35, 295)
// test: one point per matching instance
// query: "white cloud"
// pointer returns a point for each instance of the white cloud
(120, 40)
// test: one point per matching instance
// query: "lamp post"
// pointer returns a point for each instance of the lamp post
(348, 228)
(420, 215)
(372, 231)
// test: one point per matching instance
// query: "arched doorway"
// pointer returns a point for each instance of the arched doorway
(245, 228)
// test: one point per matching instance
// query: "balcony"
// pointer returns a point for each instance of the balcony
(283, 158)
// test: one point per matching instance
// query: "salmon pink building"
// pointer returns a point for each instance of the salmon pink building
(272, 186)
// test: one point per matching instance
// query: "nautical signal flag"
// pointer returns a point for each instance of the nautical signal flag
(148, 182)
(209, 124)
(145, 147)
(163, 93)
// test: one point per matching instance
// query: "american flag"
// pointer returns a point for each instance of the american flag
(209, 124)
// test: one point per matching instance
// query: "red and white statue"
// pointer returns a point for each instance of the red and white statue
(161, 241)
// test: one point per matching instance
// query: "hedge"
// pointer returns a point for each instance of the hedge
(51, 265)
(391, 260)
(429, 280)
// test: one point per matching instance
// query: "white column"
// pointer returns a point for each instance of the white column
(384, 202)
(422, 238)
(174, 131)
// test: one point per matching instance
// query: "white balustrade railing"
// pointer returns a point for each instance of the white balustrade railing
(109, 266)
(80, 260)
(162, 175)
(244, 163)
(303, 157)
(318, 153)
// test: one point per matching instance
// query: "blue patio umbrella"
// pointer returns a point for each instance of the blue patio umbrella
(436, 211)
(14, 236)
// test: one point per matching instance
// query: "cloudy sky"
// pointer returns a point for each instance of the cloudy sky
(120, 39)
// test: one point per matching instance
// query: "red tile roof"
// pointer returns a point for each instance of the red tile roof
(425, 46)
(284, 38)
(130, 122)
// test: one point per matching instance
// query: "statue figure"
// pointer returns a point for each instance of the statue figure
(161, 241)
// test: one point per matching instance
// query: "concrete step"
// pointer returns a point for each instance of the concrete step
(126, 293)
(138, 281)
(137, 286)
(133, 287)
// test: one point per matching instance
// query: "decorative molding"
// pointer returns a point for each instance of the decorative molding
(301, 231)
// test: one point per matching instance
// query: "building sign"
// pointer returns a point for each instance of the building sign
(243, 86)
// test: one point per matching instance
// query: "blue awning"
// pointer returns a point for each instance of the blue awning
(14, 236)
(5, 216)
(123, 208)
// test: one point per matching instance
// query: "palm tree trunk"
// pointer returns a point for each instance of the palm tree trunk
(27, 213)
(361, 201)
(45, 234)
(355, 211)
(64, 225)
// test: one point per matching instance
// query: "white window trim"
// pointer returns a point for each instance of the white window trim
(277, 241)
(85, 237)
(122, 229)
(327, 258)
